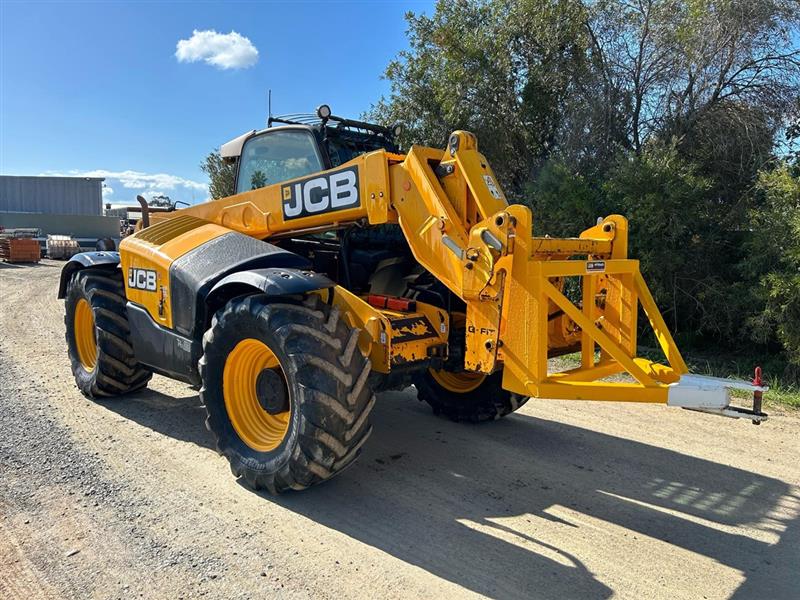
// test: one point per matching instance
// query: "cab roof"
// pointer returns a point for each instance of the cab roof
(233, 149)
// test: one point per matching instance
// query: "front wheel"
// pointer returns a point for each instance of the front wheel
(467, 396)
(285, 388)
(463, 395)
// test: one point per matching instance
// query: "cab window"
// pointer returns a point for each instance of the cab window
(276, 156)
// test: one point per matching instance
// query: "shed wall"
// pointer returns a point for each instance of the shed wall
(51, 195)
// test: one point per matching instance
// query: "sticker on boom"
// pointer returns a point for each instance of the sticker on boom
(408, 329)
(492, 187)
(142, 279)
(595, 266)
(323, 193)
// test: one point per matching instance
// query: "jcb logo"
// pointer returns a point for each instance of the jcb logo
(142, 279)
(321, 194)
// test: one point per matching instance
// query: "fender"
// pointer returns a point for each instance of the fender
(271, 281)
(85, 260)
(196, 273)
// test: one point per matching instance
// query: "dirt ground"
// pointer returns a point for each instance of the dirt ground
(126, 498)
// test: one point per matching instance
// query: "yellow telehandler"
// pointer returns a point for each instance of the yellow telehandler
(342, 267)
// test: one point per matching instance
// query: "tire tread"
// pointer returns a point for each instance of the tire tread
(117, 371)
(333, 399)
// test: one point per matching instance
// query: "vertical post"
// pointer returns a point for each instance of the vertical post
(539, 318)
(633, 305)
(659, 327)
(587, 343)
(627, 303)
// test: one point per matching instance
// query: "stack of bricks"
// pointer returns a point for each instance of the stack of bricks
(15, 250)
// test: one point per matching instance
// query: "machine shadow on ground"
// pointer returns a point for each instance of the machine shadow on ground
(434, 494)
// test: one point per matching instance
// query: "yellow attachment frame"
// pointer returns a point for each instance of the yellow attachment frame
(512, 282)
(605, 320)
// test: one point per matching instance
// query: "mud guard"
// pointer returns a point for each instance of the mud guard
(85, 260)
(270, 281)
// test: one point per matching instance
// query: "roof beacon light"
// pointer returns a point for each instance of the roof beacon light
(323, 111)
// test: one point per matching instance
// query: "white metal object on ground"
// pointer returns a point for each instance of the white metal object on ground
(712, 395)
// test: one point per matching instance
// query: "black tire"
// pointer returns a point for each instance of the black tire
(326, 378)
(115, 370)
(488, 402)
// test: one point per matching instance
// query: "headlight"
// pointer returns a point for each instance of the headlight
(323, 111)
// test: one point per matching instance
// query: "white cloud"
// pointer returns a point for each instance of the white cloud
(137, 180)
(124, 186)
(222, 50)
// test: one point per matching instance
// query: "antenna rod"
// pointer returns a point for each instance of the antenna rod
(269, 107)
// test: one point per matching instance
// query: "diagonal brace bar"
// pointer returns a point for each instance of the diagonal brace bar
(659, 326)
(605, 342)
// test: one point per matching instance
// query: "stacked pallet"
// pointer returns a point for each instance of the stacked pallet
(19, 249)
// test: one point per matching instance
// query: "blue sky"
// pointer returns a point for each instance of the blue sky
(88, 87)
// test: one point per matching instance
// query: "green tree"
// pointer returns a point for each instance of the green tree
(500, 69)
(662, 194)
(536, 79)
(562, 201)
(773, 259)
(221, 175)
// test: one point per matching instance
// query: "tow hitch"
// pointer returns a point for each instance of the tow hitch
(712, 395)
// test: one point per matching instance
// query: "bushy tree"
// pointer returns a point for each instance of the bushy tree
(563, 200)
(584, 81)
(221, 175)
(663, 195)
(773, 259)
(500, 69)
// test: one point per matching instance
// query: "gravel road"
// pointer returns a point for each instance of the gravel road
(126, 498)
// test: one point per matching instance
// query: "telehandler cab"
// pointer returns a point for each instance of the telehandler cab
(342, 267)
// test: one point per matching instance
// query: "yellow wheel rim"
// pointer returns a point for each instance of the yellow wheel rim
(83, 328)
(256, 427)
(460, 383)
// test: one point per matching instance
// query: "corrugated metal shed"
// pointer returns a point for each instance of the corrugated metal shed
(51, 195)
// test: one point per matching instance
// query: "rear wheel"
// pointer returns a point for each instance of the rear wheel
(285, 388)
(98, 336)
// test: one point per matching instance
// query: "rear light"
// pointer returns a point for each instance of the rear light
(402, 304)
(392, 303)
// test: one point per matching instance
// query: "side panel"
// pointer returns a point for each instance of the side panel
(169, 265)
(148, 254)
(175, 354)
(161, 349)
